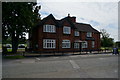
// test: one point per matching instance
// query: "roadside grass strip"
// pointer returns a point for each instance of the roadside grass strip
(14, 57)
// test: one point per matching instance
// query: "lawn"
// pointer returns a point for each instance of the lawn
(19, 49)
(109, 48)
(119, 49)
(0, 46)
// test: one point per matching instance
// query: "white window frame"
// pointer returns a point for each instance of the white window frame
(76, 33)
(49, 43)
(66, 30)
(49, 28)
(76, 45)
(85, 44)
(89, 34)
(93, 44)
(66, 44)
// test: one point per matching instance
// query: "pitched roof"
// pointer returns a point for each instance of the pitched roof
(46, 18)
(85, 27)
(69, 21)
(79, 26)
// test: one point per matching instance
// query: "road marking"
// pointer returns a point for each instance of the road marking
(115, 71)
(37, 59)
(74, 65)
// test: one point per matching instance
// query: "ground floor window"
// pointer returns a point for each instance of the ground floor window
(76, 45)
(66, 44)
(49, 43)
(84, 44)
(93, 44)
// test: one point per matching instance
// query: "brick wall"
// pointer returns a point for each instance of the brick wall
(39, 35)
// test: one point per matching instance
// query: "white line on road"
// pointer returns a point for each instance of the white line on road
(74, 64)
(38, 59)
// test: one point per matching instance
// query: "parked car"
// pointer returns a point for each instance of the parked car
(8, 46)
(21, 46)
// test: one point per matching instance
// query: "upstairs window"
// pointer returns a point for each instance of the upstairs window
(49, 43)
(93, 44)
(84, 44)
(49, 28)
(89, 34)
(66, 30)
(66, 44)
(76, 33)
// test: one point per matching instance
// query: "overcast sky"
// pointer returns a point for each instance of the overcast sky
(101, 15)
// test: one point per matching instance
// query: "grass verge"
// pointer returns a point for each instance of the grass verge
(14, 57)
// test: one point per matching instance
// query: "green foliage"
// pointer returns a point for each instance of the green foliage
(17, 19)
(117, 44)
(119, 49)
(106, 41)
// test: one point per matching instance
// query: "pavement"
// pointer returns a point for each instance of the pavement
(71, 66)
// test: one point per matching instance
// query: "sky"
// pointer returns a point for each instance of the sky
(100, 14)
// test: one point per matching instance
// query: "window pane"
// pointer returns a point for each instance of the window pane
(76, 33)
(49, 43)
(93, 44)
(76, 45)
(89, 34)
(66, 44)
(66, 30)
(48, 28)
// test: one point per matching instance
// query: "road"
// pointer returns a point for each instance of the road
(73, 66)
(0, 64)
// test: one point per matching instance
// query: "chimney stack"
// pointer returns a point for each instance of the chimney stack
(73, 19)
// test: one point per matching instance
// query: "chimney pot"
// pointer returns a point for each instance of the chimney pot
(68, 15)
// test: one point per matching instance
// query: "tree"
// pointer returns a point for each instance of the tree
(106, 41)
(17, 19)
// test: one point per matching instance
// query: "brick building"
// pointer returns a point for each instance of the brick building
(65, 35)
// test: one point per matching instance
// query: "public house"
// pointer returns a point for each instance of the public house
(64, 35)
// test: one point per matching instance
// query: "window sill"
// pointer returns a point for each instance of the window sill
(66, 34)
(65, 48)
(50, 32)
(49, 48)
(89, 37)
(84, 48)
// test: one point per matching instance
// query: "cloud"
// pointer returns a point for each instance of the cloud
(95, 23)
(99, 14)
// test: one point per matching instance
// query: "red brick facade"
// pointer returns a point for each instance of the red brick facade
(38, 35)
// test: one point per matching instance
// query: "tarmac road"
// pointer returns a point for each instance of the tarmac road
(73, 66)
